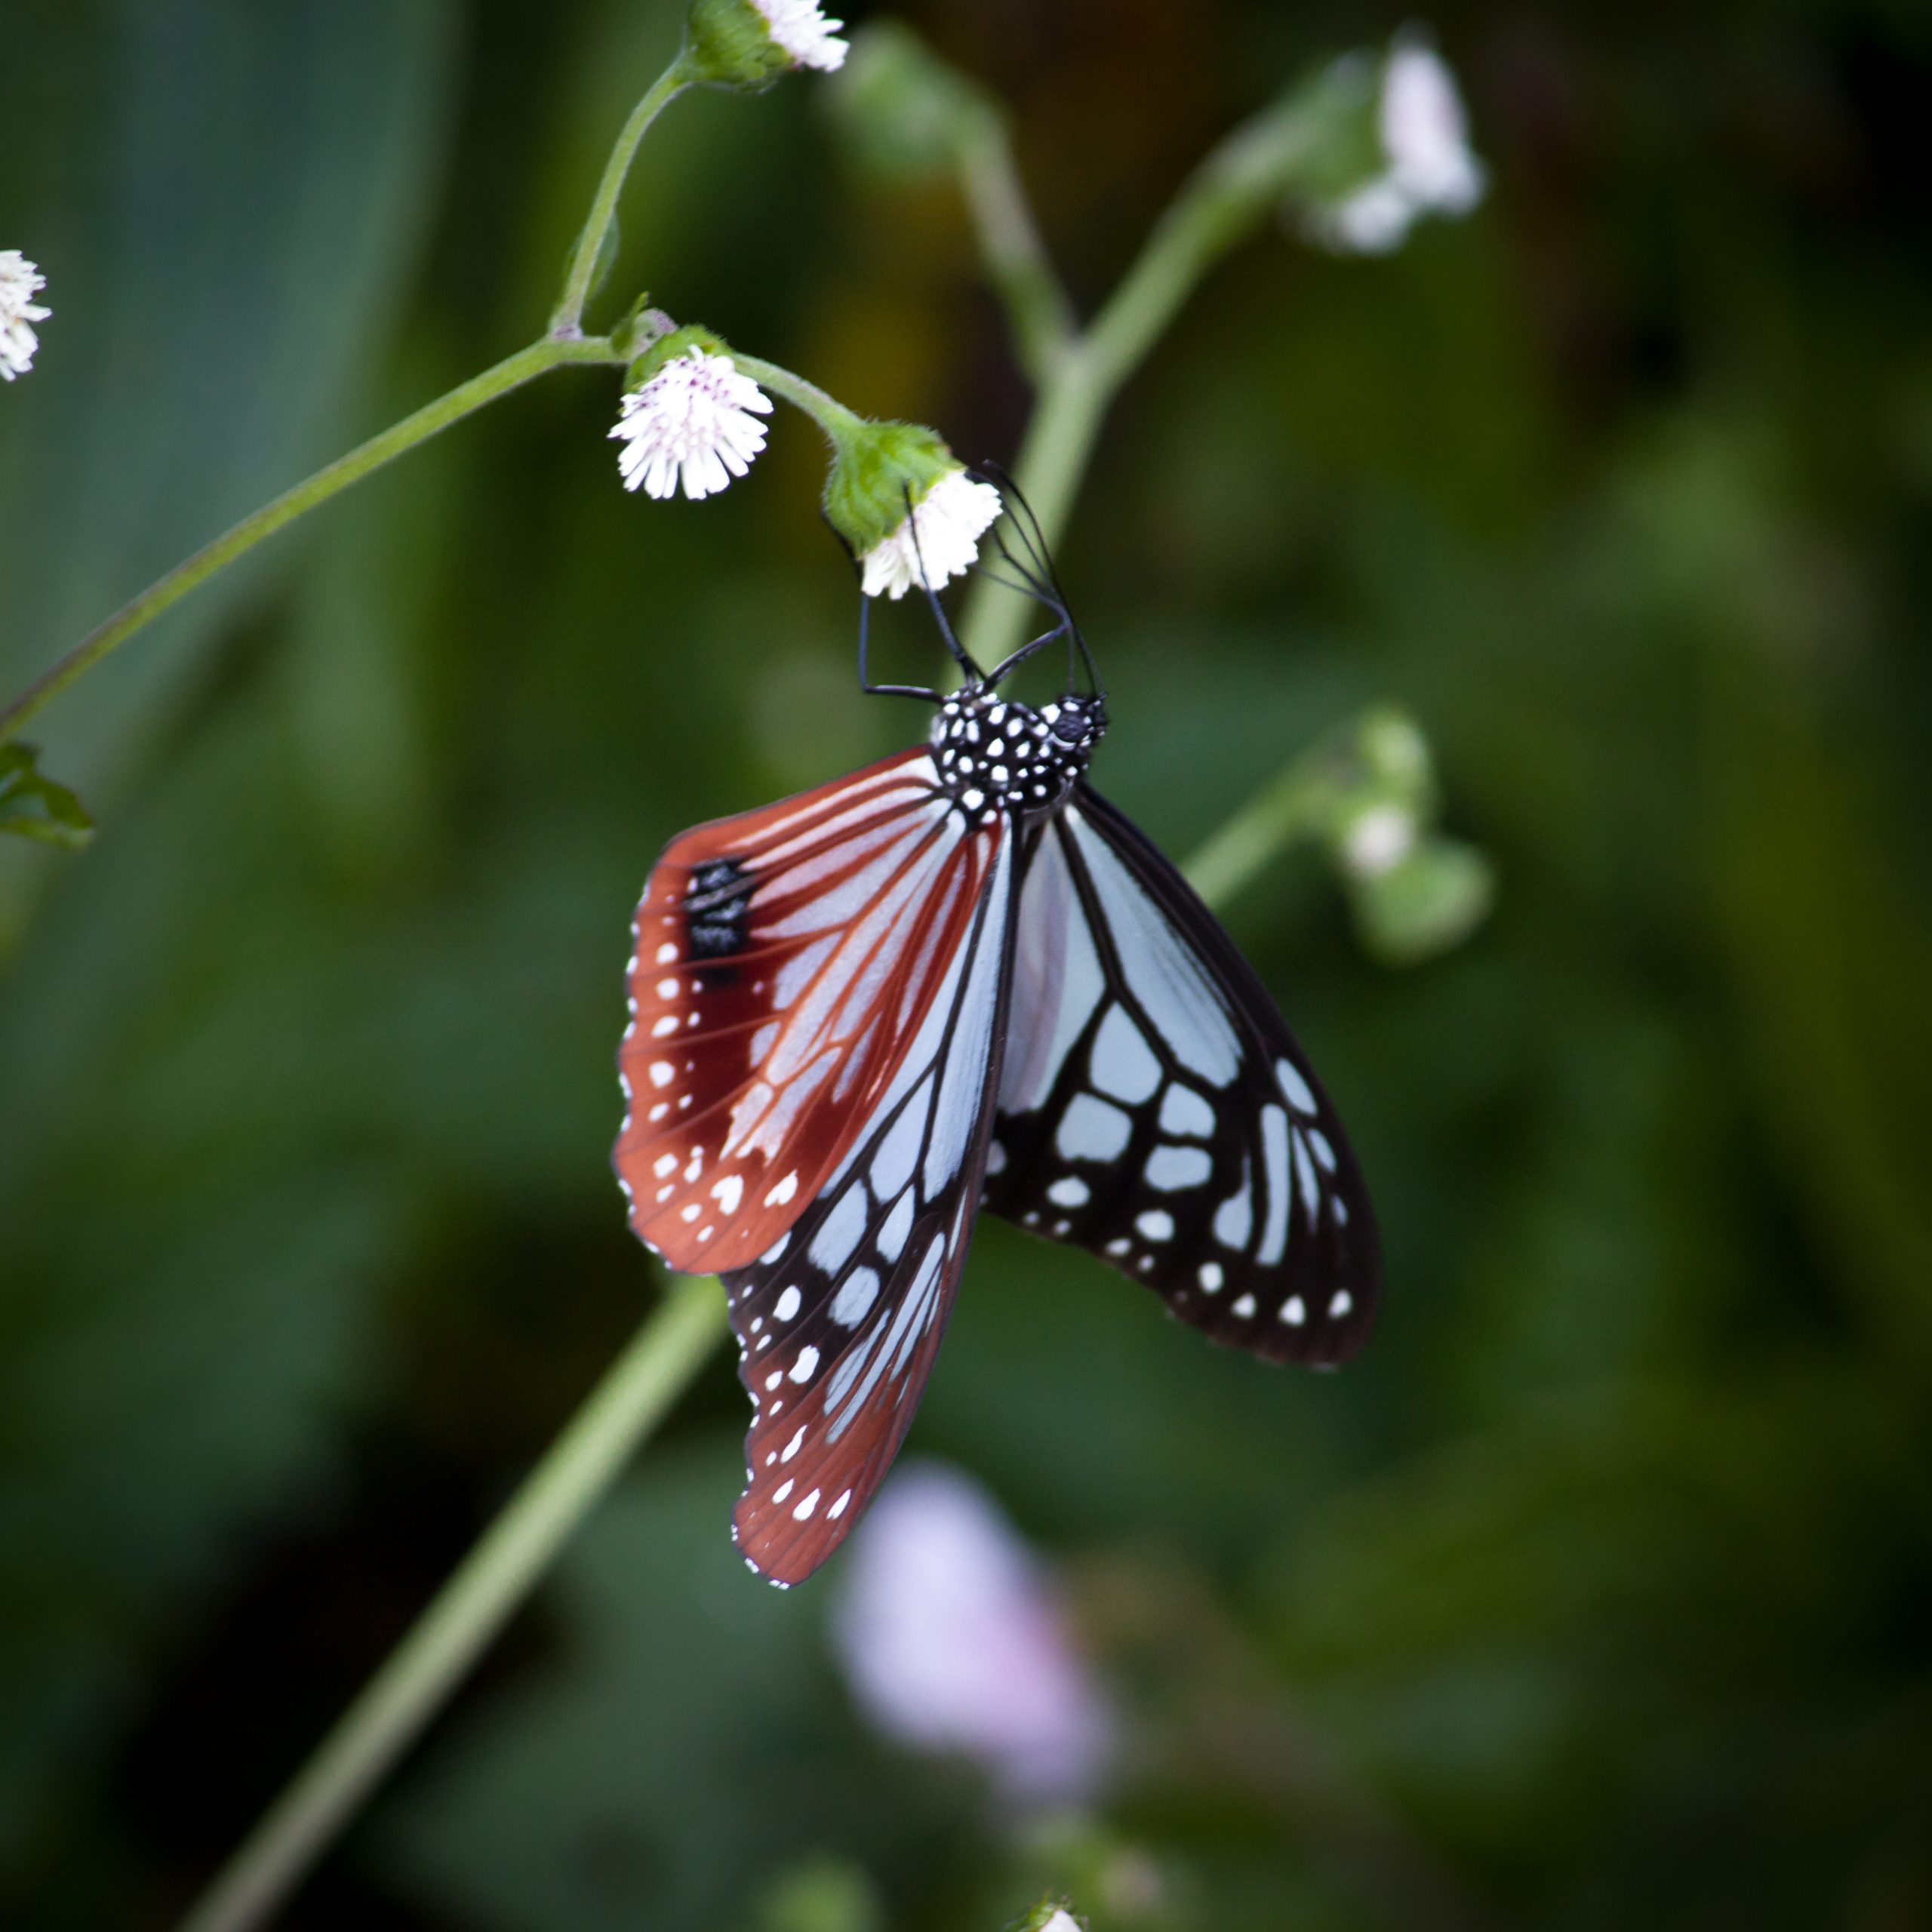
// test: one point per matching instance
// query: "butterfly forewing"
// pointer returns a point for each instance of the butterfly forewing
(1154, 1108)
(838, 1324)
(783, 959)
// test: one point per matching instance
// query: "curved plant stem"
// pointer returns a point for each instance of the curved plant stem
(1226, 198)
(580, 278)
(1037, 306)
(471, 1608)
(511, 372)
(830, 415)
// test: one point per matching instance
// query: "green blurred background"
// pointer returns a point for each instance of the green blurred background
(1597, 1590)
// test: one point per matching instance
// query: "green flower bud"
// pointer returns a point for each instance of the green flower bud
(904, 503)
(1428, 901)
(877, 470)
(656, 349)
(747, 45)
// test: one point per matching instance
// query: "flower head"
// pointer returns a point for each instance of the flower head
(20, 281)
(804, 34)
(694, 421)
(942, 531)
(952, 1641)
(1429, 167)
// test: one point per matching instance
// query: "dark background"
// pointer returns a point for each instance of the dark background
(1598, 1589)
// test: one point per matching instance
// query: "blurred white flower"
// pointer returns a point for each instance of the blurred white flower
(942, 531)
(806, 37)
(1062, 1921)
(20, 281)
(691, 422)
(953, 1641)
(1431, 169)
(1379, 840)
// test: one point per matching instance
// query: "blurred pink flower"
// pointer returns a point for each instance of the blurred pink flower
(954, 1641)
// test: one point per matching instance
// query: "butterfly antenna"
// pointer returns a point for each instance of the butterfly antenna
(1041, 578)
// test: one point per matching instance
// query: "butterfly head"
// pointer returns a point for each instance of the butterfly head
(994, 753)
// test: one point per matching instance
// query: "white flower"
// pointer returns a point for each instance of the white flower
(1379, 840)
(1430, 168)
(804, 34)
(19, 281)
(953, 1641)
(1062, 1921)
(943, 532)
(690, 422)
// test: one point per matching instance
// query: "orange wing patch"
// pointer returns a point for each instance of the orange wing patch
(783, 959)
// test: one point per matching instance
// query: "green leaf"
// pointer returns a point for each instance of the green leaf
(33, 806)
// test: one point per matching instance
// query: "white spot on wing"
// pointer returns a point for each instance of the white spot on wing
(1301, 1095)
(1183, 1111)
(856, 1295)
(1234, 1219)
(1275, 1162)
(1122, 1063)
(841, 1231)
(898, 1226)
(1091, 1129)
(1069, 1191)
(1170, 1168)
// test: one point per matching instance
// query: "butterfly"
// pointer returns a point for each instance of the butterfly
(956, 977)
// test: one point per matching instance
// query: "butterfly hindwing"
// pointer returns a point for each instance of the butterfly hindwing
(838, 1324)
(1154, 1108)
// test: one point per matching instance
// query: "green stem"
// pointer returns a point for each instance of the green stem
(1045, 326)
(1298, 803)
(510, 373)
(567, 319)
(831, 416)
(1226, 197)
(471, 1608)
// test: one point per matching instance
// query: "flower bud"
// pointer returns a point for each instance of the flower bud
(749, 44)
(904, 503)
(1415, 160)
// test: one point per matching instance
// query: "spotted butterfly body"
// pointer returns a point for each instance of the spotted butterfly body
(959, 974)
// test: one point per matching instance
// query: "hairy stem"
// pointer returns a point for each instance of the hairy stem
(830, 415)
(1228, 195)
(160, 595)
(567, 319)
(1037, 307)
(499, 1573)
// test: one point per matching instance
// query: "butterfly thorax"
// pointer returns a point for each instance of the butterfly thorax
(995, 755)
